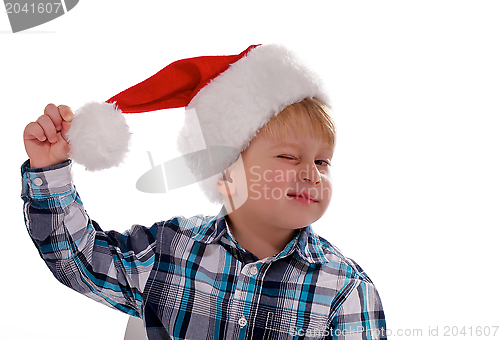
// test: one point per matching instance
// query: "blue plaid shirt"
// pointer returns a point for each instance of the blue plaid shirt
(188, 278)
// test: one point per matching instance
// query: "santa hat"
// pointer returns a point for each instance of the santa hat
(230, 97)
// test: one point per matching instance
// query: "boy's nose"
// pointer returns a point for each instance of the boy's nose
(310, 174)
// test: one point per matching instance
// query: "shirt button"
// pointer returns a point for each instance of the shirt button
(242, 322)
(253, 270)
(38, 181)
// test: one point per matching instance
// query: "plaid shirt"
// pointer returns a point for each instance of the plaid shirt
(189, 278)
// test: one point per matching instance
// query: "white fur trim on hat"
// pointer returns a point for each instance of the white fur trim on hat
(99, 136)
(234, 106)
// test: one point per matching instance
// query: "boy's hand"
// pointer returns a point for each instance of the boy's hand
(45, 140)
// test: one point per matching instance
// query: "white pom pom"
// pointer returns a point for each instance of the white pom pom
(98, 136)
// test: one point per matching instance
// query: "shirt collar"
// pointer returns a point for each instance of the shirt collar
(306, 243)
(211, 229)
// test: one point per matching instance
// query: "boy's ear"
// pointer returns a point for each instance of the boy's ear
(232, 184)
(226, 185)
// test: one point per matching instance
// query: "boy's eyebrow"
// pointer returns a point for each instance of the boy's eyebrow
(282, 144)
(293, 145)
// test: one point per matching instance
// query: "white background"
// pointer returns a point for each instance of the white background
(415, 87)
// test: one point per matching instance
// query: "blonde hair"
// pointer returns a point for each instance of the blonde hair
(309, 116)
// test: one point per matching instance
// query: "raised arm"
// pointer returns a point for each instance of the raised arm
(109, 267)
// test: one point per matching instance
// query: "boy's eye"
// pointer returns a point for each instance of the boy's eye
(322, 162)
(287, 157)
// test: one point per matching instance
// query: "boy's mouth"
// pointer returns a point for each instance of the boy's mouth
(302, 197)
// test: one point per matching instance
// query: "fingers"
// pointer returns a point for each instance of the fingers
(64, 130)
(58, 114)
(66, 113)
(67, 116)
(34, 131)
(47, 126)
(52, 112)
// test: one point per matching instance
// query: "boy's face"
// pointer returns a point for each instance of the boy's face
(288, 182)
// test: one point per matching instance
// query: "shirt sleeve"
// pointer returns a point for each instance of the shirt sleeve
(109, 267)
(361, 315)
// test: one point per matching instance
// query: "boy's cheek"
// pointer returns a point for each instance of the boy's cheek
(254, 192)
(270, 176)
(326, 193)
(326, 172)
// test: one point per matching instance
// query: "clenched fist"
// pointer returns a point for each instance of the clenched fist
(45, 139)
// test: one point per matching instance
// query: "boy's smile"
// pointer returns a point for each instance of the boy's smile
(302, 197)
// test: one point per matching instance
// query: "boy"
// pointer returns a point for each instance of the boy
(255, 271)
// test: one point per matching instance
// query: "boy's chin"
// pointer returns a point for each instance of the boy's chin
(291, 221)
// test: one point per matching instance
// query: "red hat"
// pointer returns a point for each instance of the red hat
(230, 97)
